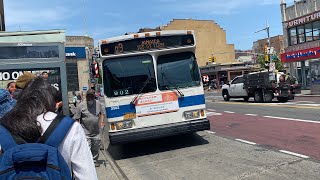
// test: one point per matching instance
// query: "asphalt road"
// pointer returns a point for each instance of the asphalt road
(246, 141)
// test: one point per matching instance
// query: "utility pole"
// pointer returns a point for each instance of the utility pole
(267, 28)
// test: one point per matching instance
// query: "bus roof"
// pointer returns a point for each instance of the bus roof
(146, 34)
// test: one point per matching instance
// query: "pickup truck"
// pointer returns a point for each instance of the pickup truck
(263, 86)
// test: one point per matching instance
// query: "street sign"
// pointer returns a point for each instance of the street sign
(84, 88)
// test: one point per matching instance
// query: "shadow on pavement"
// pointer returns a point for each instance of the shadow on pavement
(155, 146)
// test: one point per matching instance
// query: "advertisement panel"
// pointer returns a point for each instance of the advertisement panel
(11, 75)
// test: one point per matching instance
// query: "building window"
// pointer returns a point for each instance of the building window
(308, 29)
(304, 33)
(293, 36)
(72, 74)
(301, 35)
(316, 29)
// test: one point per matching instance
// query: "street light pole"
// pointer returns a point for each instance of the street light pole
(268, 41)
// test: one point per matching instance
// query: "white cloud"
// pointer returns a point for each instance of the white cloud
(33, 13)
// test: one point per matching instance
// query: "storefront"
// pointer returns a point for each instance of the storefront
(301, 29)
(223, 73)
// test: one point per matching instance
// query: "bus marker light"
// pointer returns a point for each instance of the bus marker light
(158, 33)
(135, 35)
(113, 126)
(189, 32)
(104, 42)
(147, 34)
(202, 113)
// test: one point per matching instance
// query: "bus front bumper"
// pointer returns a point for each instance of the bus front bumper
(158, 131)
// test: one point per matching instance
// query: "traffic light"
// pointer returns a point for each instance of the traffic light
(266, 56)
(265, 49)
(212, 59)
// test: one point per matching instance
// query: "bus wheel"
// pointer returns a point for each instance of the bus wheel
(258, 96)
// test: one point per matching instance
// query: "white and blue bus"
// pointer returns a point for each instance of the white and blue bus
(152, 86)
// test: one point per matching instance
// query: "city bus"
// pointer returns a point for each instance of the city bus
(152, 86)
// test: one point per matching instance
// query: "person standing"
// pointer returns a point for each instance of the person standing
(34, 114)
(91, 114)
(74, 100)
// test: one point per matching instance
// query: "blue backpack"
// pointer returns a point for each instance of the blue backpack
(41, 160)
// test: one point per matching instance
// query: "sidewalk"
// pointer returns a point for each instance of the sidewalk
(306, 93)
(108, 168)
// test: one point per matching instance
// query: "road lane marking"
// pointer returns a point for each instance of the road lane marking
(247, 142)
(292, 119)
(251, 114)
(213, 114)
(210, 132)
(211, 110)
(294, 154)
(230, 112)
(271, 105)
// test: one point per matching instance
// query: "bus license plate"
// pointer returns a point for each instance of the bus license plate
(129, 116)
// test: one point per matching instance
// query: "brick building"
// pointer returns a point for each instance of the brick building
(210, 38)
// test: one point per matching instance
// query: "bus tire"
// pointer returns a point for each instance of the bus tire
(258, 96)
(225, 95)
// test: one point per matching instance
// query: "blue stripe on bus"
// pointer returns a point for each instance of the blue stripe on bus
(183, 102)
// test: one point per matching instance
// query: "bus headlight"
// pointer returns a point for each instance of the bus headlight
(192, 114)
(124, 124)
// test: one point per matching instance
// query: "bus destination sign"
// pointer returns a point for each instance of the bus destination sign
(147, 43)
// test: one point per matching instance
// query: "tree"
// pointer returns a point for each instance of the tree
(275, 58)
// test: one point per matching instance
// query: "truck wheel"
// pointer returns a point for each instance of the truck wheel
(282, 99)
(246, 99)
(258, 96)
(268, 97)
(226, 95)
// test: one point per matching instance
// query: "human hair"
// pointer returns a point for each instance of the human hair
(37, 98)
(9, 84)
(44, 72)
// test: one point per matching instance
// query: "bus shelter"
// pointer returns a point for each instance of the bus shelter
(36, 52)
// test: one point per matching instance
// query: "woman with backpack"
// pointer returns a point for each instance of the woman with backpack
(40, 143)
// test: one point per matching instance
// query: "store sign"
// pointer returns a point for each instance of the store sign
(301, 55)
(303, 20)
(75, 52)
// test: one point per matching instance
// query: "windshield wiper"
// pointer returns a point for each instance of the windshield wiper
(141, 89)
(175, 86)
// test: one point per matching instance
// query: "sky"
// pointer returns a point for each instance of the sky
(102, 19)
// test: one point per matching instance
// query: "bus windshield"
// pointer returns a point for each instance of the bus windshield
(177, 70)
(125, 76)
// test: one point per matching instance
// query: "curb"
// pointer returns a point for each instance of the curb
(115, 167)
(306, 95)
